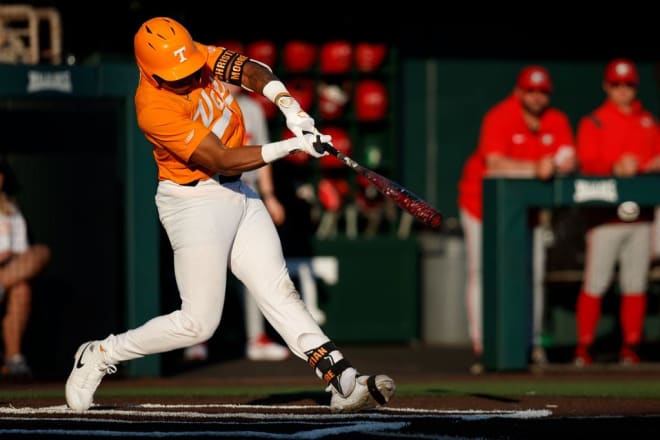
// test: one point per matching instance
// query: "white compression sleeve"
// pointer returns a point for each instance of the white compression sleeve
(274, 89)
(277, 150)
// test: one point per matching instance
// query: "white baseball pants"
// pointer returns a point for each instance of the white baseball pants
(212, 227)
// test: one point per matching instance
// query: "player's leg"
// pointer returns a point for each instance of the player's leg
(14, 323)
(309, 291)
(24, 266)
(200, 222)
(601, 256)
(257, 245)
(541, 239)
(259, 346)
(633, 280)
(201, 227)
(472, 232)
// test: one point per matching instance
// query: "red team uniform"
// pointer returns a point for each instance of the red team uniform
(525, 137)
(505, 132)
(619, 128)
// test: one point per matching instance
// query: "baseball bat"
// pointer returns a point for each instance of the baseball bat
(408, 201)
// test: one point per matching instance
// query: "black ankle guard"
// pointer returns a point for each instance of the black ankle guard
(321, 359)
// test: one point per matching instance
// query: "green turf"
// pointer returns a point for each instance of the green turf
(630, 388)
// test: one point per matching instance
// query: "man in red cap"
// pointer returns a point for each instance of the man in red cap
(521, 136)
(619, 138)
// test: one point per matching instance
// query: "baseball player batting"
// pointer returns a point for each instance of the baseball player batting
(213, 219)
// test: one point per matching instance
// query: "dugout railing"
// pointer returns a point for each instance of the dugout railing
(507, 277)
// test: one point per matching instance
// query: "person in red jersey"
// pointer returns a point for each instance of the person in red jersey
(521, 136)
(620, 138)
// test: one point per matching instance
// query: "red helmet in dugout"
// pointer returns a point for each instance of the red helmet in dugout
(336, 57)
(369, 56)
(298, 56)
(621, 70)
(165, 50)
(370, 100)
(303, 90)
(534, 78)
(263, 51)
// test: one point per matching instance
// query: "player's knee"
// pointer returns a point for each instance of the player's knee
(40, 254)
(196, 328)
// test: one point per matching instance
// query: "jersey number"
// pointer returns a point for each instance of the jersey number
(207, 102)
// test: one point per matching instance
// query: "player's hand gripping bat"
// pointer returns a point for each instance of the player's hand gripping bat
(410, 202)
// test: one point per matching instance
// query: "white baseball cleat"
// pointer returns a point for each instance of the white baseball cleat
(369, 392)
(89, 367)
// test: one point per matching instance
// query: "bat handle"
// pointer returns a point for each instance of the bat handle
(323, 146)
(329, 148)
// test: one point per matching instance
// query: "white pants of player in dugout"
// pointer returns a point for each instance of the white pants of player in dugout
(541, 238)
(212, 226)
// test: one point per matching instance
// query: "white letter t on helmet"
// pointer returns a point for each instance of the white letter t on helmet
(179, 52)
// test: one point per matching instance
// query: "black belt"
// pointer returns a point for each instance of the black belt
(219, 177)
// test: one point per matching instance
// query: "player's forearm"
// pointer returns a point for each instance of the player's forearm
(228, 161)
(216, 157)
(256, 76)
(505, 167)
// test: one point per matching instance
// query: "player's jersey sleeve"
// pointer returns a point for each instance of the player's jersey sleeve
(173, 129)
(494, 135)
(496, 128)
(589, 139)
(564, 132)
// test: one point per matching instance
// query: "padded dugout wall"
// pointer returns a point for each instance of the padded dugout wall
(88, 183)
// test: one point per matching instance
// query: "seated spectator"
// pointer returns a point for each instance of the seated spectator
(19, 263)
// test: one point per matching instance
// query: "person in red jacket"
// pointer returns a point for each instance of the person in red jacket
(620, 138)
(521, 136)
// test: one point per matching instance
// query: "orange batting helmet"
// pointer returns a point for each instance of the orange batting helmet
(164, 50)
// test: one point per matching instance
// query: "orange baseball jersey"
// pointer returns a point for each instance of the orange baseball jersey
(607, 134)
(504, 131)
(176, 124)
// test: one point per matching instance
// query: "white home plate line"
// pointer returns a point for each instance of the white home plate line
(143, 410)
